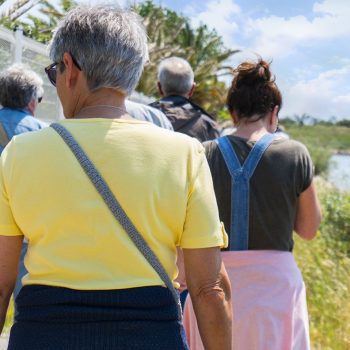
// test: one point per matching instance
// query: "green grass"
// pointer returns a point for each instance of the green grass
(325, 264)
(329, 137)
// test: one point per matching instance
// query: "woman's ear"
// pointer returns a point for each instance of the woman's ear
(276, 110)
(72, 71)
(234, 117)
(274, 116)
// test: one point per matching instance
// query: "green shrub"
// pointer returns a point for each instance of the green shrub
(325, 265)
(320, 158)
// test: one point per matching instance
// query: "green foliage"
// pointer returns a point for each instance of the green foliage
(288, 121)
(41, 28)
(325, 265)
(304, 119)
(224, 116)
(8, 23)
(321, 140)
(344, 122)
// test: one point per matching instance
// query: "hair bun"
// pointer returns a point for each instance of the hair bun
(253, 90)
(263, 70)
(252, 74)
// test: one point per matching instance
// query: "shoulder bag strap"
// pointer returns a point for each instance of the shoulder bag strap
(116, 209)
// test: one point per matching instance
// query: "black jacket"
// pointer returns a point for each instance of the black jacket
(188, 118)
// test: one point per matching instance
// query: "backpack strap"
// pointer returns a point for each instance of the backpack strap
(240, 180)
(117, 211)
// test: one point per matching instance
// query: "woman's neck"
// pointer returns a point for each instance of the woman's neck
(103, 103)
(252, 131)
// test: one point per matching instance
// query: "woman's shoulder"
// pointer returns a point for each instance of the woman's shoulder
(290, 145)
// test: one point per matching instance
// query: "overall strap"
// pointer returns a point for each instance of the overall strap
(116, 209)
(240, 178)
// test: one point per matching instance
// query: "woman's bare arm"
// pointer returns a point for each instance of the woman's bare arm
(308, 215)
(210, 291)
(10, 249)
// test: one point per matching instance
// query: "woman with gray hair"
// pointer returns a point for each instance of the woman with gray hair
(113, 199)
(21, 90)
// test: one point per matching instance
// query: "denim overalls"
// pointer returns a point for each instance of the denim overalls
(240, 177)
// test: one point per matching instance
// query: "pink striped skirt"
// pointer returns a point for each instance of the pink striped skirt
(268, 300)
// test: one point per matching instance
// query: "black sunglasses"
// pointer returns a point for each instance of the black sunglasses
(51, 70)
(40, 99)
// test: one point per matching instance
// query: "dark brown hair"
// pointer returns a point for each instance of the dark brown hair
(253, 91)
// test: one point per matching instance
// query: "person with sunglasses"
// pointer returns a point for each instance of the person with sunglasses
(104, 201)
(21, 90)
(264, 186)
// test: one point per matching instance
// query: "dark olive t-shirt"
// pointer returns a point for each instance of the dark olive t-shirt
(284, 171)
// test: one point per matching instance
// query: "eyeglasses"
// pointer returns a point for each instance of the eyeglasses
(51, 70)
(51, 73)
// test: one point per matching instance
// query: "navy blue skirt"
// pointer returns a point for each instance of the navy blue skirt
(54, 318)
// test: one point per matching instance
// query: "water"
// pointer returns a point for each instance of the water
(339, 171)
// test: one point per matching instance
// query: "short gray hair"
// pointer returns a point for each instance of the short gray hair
(108, 42)
(18, 86)
(175, 76)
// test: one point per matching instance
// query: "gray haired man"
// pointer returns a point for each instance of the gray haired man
(176, 85)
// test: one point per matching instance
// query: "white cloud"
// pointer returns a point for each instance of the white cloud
(295, 44)
(332, 7)
(219, 15)
(275, 35)
(321, 97)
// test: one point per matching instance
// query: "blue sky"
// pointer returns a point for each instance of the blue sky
(307, 41)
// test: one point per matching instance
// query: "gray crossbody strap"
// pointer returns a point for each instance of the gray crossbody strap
(116, 209)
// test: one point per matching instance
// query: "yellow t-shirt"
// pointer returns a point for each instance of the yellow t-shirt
(160, 178)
